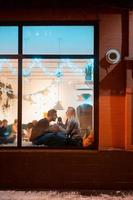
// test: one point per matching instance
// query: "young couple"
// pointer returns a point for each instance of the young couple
(55, 135)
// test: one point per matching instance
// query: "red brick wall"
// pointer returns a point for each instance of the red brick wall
(111, 99)
(131, 33)
(129, 90)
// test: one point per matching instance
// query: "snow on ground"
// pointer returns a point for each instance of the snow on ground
(65, 195)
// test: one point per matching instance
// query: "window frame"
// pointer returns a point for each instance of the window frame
(20, 56)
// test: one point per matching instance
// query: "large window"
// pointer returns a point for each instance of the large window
(60, 40)
(8, 101)
(8, 40)
(47, 86)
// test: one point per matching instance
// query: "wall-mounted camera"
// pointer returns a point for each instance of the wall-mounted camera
(113, 56)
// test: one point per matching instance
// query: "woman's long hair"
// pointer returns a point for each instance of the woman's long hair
(72, 116)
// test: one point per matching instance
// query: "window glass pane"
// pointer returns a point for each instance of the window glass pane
(8, 102)
(58, 40)
(8, 40)
(58, 84)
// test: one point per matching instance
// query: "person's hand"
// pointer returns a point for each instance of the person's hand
(55, 128)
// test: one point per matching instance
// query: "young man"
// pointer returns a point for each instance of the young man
(48, 135)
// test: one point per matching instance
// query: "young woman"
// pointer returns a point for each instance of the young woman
(72, 128)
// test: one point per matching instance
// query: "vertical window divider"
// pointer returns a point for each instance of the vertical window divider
(19, 139)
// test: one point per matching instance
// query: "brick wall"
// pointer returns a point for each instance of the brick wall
(129, 90)
(111, 99)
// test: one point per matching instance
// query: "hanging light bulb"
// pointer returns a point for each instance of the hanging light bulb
(58, 106)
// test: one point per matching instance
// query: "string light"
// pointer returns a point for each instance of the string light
(58, 72)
